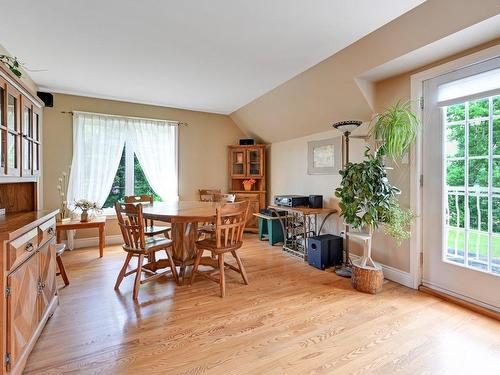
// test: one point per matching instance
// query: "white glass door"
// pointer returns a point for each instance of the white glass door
(461, 192)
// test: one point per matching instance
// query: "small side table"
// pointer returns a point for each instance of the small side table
(97, 222)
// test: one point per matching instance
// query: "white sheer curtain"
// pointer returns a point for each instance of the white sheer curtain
(155, 145)
(98, 142)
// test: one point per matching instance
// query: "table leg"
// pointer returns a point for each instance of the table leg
(184, 236)
(101, 241)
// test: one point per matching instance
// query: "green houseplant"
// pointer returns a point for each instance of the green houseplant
(13, 64)
(396, 129)
(367, 198)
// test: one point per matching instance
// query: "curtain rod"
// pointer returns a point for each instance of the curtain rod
(178, 123)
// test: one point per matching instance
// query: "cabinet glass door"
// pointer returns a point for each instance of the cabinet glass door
(27, 144)
(13, 132)
(238, 163)
(11, 112)
(255, 162)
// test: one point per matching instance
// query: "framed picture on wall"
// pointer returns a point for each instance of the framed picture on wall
(325, 156)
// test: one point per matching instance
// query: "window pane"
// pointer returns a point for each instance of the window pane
(455, 240)
(495, 254)
(141, 184)
(496, 105)
(455, 173)
(455, 141)
(496, 136)
(117, 192)
(496, 173)
(456, 210)
(479, 108)
(478, 172)
(455, 113)
(478, 139)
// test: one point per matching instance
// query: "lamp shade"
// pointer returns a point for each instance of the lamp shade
(347, 126)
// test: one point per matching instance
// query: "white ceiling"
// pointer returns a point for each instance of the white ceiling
(208, 55)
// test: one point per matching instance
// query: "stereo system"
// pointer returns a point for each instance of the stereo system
(312, 201)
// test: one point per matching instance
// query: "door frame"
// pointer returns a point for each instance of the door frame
(416, 159)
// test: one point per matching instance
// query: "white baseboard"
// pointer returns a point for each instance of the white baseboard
(393, 274)
(78, 243)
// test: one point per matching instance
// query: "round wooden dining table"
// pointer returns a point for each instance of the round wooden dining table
(184, 217)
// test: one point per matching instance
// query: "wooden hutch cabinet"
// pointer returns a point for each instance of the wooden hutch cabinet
(248, 162)
(28, 296)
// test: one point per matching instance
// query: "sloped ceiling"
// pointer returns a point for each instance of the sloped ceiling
(335, 89)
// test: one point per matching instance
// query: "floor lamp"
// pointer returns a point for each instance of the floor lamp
(346, 127)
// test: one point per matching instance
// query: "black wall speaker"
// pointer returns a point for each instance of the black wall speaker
(247, 142)
(47, 98)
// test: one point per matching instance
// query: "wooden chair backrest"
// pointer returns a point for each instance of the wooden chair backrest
(131, 224)
(208, 195)
(138, 199)
(229, 223)
(224, 198)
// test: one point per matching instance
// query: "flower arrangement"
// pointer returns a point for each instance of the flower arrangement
(247, 184)
(85, 205)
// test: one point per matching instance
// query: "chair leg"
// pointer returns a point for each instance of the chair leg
(62, 270)
(240, 266)
(137, 282)
(195, 266)
(168, 250)
(123, 271)
(222, 280)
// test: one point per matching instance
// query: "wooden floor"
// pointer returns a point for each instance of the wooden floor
(291, 319)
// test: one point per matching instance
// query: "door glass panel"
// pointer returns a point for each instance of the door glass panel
(11, 112)
(36, 130)
(2, 148)
(472, 184)
(455, 226)
(238, 163)
(254, 162)
(11, 150)
(36, 150)
(455, 141)
(26, 121)
(26, 154)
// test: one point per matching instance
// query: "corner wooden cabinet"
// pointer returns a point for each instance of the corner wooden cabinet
(28, 273)
(248, 162)
(28, 295)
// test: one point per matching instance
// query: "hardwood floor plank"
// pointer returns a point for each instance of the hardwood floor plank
(290, 319)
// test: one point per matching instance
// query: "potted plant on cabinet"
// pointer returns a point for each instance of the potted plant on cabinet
(367, 198)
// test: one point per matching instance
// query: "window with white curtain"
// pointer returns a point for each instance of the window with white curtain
(114, 156)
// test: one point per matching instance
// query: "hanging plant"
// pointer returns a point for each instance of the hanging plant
(367, 198)
(396, 129)
(13, 64)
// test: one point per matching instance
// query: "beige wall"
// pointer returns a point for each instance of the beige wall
(202, 144)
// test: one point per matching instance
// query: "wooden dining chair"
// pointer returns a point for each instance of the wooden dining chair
(60, 248)
(208, 195)
(149, 229)
(229, 225)
(131, 222)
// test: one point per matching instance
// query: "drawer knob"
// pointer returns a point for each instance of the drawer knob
(29, 247)
(50, 231)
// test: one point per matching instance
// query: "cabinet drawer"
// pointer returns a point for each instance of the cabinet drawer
(246, 197)
(46, 231)
(21, 248)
